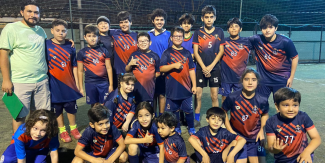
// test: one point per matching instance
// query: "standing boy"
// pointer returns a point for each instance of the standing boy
(103, 25)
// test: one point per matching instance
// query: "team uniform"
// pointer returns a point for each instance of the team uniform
(149, 152)
(208, 50)
(108, 43)
(233, 64)
(292, 132)
(246, 118)
(188, 43)
(175, 149)
(273, 61)
(96, 78)
(64, 92)
(24, 147)
(145, 73)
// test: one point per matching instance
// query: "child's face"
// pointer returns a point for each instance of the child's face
(125, 25)
(186, 26)
(91, 39)
(164, 130)
(234, 29)
(250, 82)
(38, 131)
(208, 19)
(269, 31)
(144, 117)
(101, 127)
(103, 27)
(288, 108)
(127, 87)
(214, 122)
(177, 38)
(59, 33)
(159, 22)
(143, 43)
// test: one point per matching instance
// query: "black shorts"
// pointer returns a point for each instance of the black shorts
(214, 80)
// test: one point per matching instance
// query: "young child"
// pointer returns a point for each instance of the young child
(216, 144)
(34, 139)
(286, 131)
(208, 48)
(121, 103)
(178, 65)
(103, 25)
(276, 57)
(174, 145)
(95, 60)
(235, 58)
(186, 21)
(249, 112)
(144, 137)
(101, 141)
(144, 64)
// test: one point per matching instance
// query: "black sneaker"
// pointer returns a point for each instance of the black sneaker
(197, 123)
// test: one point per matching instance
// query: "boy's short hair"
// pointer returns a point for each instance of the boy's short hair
(57, 22)
(103, 18)
(269, 20)
(28, 2)
(97, 113)
(176, 29)
(90, 28)
(158, 13)
(186, 18)
(234, 21)
(167, 119)
(124, 15)
(145, 34)
(286, 93)
(209, 9)
(216, 111)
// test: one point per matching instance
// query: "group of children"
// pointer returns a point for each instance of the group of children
(128, 72)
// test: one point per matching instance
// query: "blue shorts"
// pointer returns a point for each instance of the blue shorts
(227, 88)
(32, 156)
(96, 92)
(266, 90)
(186, 161)
(293, 159)
(160, 88)
(69, 107)
(255, 150)
(217, 157)
(149, 154)
(109, 154)
(174, 105)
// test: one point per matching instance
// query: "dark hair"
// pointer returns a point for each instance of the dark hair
(123, 15)
(234, 21)
(269, 20)
(124, 77)
(209, 9)
(90, 28)
(57, 22)
(186, 18)
(28, 2)
(45, 116)
(286, 93)
(250, 70)
(144, 105)
(158, 13)
(145, 34)
(97, 113)
(218, 112)
(176, 29)
(167, 119)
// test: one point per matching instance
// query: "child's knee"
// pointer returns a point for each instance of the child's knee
(123, 157)
(77, 160)
(133, 149)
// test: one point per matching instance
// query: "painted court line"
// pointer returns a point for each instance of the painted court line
(307, 81)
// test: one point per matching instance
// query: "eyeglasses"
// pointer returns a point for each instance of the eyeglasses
(178, 37)
(143, 42)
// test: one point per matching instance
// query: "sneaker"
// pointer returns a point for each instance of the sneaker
(197, 123)
(179, 131)
(75, 133)
(191, 131)
(65, 137)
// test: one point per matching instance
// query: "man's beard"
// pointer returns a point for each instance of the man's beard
(31, 24)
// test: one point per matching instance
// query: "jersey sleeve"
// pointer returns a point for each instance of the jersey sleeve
(108, 54)
(20, 149)
(157, 136)
(227, 104)
(7, 38)
(195, 37)
(190, 62)
(265, 107)
(111, 107)
(251, 40)
(309, 124)
(229, 136)
(222, 37)
(74, 58)
(181, 149)
(157, 64)
(132, 107)
(268, 128)
(85, 139)
(116, 133)
(249, 44)
(198, 135)
(80, 56)
(54, 144)
(133, 131)
(164, 58)
(290, 49)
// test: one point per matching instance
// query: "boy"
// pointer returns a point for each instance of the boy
(208, 42)
(63, 78)
(178, 65)
(276, 57)
(103, 25)
(144, 64)
(174, 145)
(96, 62)
(286, 131)
(101, 141)
(213, 143)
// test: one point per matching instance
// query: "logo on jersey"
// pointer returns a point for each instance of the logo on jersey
(54, 57)
(168, 106)
(173, 59)
(233, 53)
(254, 110)
(216, 36)
(63, 64)
(2, 158)
(275, 51)
(184, 60)
(88, 55)
(112, 44)
(100, 54)
(151, 60)
(121, 39)
(94, 140)
(134, 43)
(237, 107)
(298, 128)
(260, 47)
(118, 110)
(279, 130)
(204, 36)
(227, 45)
(215, 80)
(221, 144)
(244, 118)
(95, 60)
(143, 67)
(127, 47)
(241, 46)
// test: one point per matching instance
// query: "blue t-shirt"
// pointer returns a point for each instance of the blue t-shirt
(107, 42)
(174, 149)
(187, 43)
(160, 42)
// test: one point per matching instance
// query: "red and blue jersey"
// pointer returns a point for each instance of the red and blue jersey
(107, 42)
(178, 82)
(160, 42)
(208, 45)
(292, 132)
(24, 142)
(187, 43)
(217, 143)
(61, 61)
(246, 113)
(234, 60)
(93, 60)
(120, 110)
(273, 59)
(98, 144)
(174, 149)
(145, 73)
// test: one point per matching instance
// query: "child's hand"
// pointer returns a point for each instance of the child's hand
(82, 92)
(72, 42)
(148, 138)
(125, 127)
(194, 90)
(133, 62)
(260, 136)
(110, 89)
(230, 159)
(207, 75)
(278, 145)
(209, 68)
(304, 157)
(98, 160)
(205, 159)
(178, 65)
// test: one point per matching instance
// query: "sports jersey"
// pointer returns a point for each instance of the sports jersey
(107, 42)
(124, 45)
(187, 43)
(178, 82)
(145, 73)
(273, 59)
(97, 143)
(93, 60)
(208, 45)
(246, 113)
(216, 143)
(292, 132)
(120, 110)
(160, 42)
(61, 61)
(174, 148)
(234, 60)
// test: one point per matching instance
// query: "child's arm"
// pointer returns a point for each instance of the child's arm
(313, 144)
(75, 75)
(294, 64)
(110, 74)
(228, 126)
(260, 134)
(197, 146)
(193, 79)
(127, 122)
(167, 68)
(119, 150)
(21, 161)
(54, 156)
(215, 61)
(130, 140)
(239, 145)
(80, 77)
(197, 56)
(83, 155)
(161, 153)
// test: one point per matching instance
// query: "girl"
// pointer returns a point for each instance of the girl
(120, 103)
(34, 139)
(249, 112)
(144, 136)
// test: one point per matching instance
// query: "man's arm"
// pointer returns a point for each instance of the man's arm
(5, 70)
(294, 65)
(216, 60)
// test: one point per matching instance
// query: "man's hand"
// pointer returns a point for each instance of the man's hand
(7, 86)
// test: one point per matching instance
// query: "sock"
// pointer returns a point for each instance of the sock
(62, 129)
(73, 127)
(189, 120)
(134, 159)
(177, 117)
(181, 115)
(160, 114)
(197, 116)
